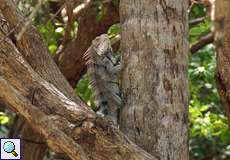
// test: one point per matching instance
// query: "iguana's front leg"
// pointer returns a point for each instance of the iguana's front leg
(103, 71)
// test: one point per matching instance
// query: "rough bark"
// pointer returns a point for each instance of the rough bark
(36, 55)
(154, 82)
(68, 126)
(35, 52)
(222, 42)
(70, 61)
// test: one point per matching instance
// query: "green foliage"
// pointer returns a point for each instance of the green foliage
(84, 90)
(197, 10)
(199, 30)
(209, 131)
(4, 121)
(51, 32)
(101, 10)
(114, 30)
(53, 29)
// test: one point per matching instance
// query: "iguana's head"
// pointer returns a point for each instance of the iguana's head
(101, 45)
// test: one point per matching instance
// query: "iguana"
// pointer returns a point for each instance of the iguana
(103, 70)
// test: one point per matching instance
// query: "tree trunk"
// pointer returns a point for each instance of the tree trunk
(222, 42)
(154, 79)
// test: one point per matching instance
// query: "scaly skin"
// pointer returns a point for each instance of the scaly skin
(103, 70)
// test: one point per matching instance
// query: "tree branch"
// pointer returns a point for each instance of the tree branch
(203, 41)
(196, 21)
(30, 19)
(63, 122)
(42, 122)
(71, 61)
(36, 54)
(34, 50)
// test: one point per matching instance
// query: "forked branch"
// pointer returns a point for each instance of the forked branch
(64, 123)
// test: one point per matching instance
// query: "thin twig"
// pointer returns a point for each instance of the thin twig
(72, 15)
(58, 11)
(69, 11)
(29, 21)
(80, 8)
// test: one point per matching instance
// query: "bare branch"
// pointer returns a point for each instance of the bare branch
(42, 122)
(33, 48)
(70, 61)
(35, 52)
(196, 21)
(29, 20)
(203, 41)
(63, 122)
(67, 34)
(80, 8)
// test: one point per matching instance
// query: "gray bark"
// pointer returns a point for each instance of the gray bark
(154, 82)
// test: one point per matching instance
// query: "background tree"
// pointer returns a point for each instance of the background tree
(209, 132)
(222, 40)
